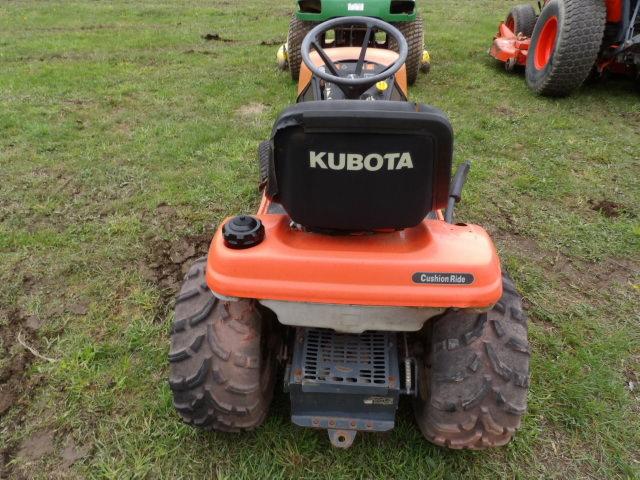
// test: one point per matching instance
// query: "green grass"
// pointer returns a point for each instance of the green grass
(121, 133)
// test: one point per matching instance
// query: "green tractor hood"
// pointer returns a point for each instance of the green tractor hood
(387, 10)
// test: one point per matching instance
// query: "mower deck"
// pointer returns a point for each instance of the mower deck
(510, 48)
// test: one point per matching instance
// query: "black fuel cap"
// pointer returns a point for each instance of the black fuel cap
(243, 231)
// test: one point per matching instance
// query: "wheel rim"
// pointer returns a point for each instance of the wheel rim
(546, 43)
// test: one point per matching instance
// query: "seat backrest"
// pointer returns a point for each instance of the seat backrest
(358, 165)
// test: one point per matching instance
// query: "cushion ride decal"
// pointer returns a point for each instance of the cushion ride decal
(444, 278)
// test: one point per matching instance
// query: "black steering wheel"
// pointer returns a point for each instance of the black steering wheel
(357, 80)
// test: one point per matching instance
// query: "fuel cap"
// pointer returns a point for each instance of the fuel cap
(243, 231)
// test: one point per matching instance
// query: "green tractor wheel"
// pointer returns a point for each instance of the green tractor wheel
(413, 32)
(298, 29)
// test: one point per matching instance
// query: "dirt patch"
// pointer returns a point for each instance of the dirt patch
(15, 388)
(505, 111)
(16, 359)
(170, 260)
(251, 110)
(215, 37)
(589, 277)
(7, 399)
(606, 207)
(36, 446)
(72, 453)
(168, 264)
(79, 308)
(200, 52)
(271, 43)
(34, 322)
(633, 116)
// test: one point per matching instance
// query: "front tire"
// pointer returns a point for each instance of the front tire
(475, 375)
(414, 34)
(298, 29)
(222, 358)
(564, 45)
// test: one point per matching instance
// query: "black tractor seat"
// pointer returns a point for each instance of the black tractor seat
(355, 165)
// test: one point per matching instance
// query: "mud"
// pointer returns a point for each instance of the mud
(13, 386)
(79, 308)
(16, 358)
(168, 264)
(200, 52)
(170, 261)
(271, 43)
(34, 322)
(16, 387)
(606, 275)
(36, 446)
(7, 399)
(606, 207)
(506, 111)
(72, 453)
(216, 38)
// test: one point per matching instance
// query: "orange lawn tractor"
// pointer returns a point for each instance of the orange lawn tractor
(570, 41)
(353, 276)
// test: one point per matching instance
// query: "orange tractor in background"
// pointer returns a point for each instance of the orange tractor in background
(569, 41)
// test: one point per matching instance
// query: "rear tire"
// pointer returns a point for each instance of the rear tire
(475, 375)
(298, 29)
(557, 65)
(222, 362)
(414, 34)
(264, 158)
(521, 20)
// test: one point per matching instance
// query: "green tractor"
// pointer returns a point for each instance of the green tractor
(400, 13)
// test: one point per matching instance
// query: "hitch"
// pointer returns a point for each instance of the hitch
(455, 192)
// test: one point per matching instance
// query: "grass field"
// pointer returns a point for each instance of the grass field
(125, 137)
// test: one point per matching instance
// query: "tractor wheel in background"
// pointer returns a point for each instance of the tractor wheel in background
(564, 45)
(222, 358)
(414, 34)
(298, 29)
(474, 376)
(521, 20)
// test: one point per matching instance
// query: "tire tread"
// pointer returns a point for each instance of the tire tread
(216, 372)
(579, 40)
(476, 393)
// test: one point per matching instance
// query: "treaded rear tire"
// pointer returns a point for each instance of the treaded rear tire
(264, 157)
(523, 18)
(475, 375)
(413, 32)
(581, 26)
(222, 362)
(298, 29)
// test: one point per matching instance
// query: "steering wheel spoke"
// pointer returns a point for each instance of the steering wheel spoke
(328, 63)
(363, 50)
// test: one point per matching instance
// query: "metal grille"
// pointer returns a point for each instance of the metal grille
(338, 358)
